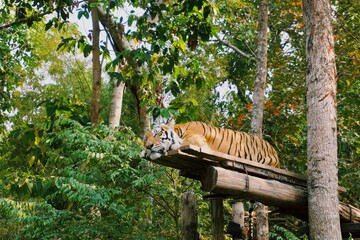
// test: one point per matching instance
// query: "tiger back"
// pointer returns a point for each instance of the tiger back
(235, 143)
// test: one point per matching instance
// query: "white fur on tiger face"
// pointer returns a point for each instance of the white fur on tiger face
(160, 140)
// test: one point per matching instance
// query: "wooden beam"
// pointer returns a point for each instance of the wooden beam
(270, 192)
(290, 198)
(349, 213)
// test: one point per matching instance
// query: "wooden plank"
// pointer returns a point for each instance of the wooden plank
(221, 157)
(179, 160)
(182, 153)
(166, 163)
(299, 180)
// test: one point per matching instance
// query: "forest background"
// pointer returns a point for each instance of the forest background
(63, 176)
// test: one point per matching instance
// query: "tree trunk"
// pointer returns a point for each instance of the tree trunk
(189, 216)
(116, 104)
(258, 105)
(96, 83)
(116, 31)
(321, 80)
(144, 119)
(257, 109)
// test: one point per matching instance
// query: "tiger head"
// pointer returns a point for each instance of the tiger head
(159, 140)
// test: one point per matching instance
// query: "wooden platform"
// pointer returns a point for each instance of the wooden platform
(227, 176)
(192, 161)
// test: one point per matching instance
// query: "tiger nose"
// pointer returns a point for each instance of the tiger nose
(149, 146)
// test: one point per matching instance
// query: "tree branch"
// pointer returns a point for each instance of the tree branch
(228, 44)
(25, 20)
(38, 15)
(115, 30)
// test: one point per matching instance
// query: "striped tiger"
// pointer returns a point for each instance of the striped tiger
(239, 144)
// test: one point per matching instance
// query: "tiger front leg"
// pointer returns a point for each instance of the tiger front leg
(196, 140)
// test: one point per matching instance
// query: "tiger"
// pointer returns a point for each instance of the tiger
(172, 136)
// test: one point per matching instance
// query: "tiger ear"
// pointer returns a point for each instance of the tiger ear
(171, 124)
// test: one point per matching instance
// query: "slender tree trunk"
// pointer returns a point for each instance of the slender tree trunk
(116, 104)
(96, 83)
(321, 78)
(96, 86)
(262, 229)
(144, 119)
(116, 32)
(257, 109)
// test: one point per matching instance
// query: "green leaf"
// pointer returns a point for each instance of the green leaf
(80, 14)
(48, 25)
(87, 50)
(32, 160)
(165, 113)
(131, 20)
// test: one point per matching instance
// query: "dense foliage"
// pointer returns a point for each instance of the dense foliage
(62, 177)
(82, 181)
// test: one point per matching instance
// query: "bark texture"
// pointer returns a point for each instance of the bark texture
(96, 83)
(189, 216)
(217, 219)
(116, 104)
(321, 80)
(262, 229)
(238, 213)
(257, 109)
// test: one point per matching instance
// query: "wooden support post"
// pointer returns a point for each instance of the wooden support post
(262, 223)
(189, 216)
(236, 227)
(269, 192)
(238, 213)
(217, 218)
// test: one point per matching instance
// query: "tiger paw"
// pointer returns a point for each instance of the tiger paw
(148, 154)
(155, 155)
(143, 154)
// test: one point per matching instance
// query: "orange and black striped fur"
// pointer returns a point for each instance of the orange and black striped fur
(235, 143)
